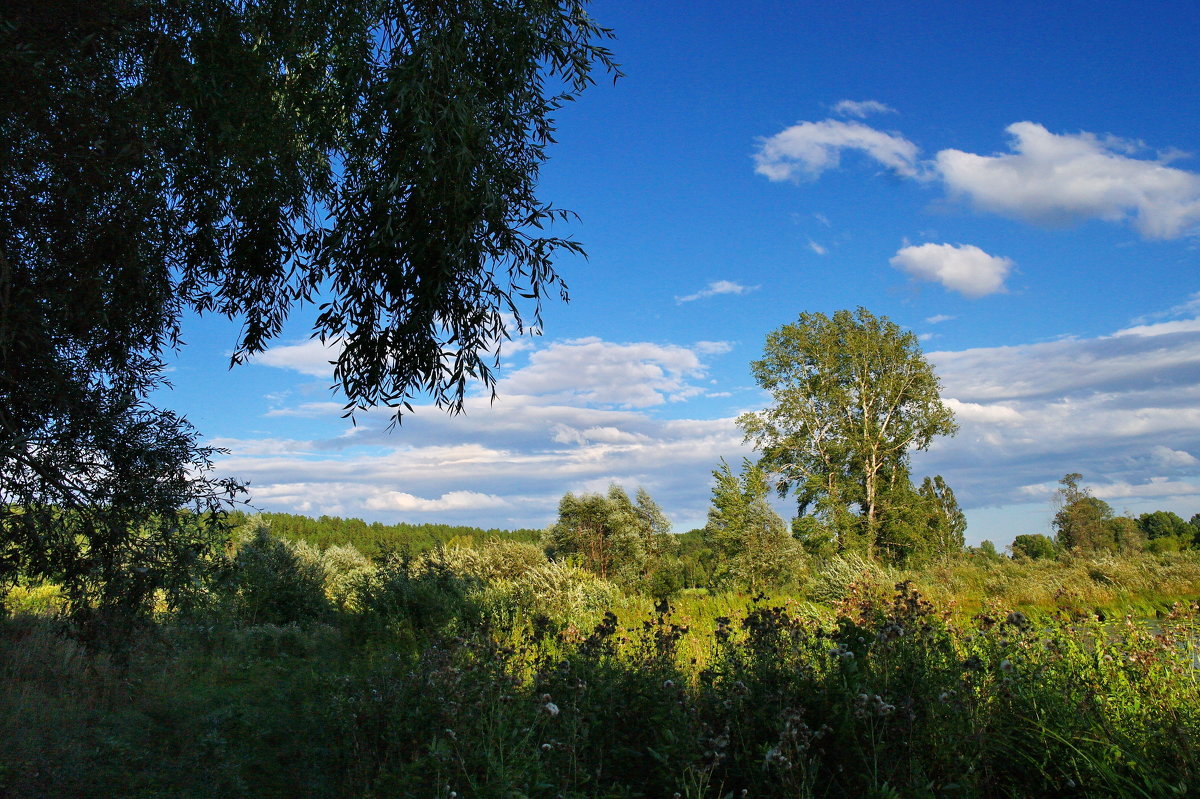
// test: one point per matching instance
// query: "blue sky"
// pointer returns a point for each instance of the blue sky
(1016, 183)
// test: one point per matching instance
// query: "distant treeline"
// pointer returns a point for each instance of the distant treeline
(374, 538)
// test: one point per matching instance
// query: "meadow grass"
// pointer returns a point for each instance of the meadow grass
(489, 672)
(714, 696)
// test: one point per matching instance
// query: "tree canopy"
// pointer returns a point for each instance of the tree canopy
(1082, 521)
(244, 157)
(613, 537)
(751, 541)
(852, 396)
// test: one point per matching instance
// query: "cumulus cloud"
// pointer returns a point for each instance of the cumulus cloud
(1122, 409)
(959, 267)
(937, 319)
(1165, 456)
(1046, 178)
(1055, 179)
(717, 287)
(595, 372)
(806, 149)
(861, 108)
(311, 357)
(450, 501)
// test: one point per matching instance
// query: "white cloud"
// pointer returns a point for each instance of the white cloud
(450, 501)
(959, 267)
(717, 287)
(988, 414)
(1190, 309)
(1165, 456)
(807, 149)
(1122, 409)
(1099, 406)
(939, 318)
(1055, 179)
(311, 357)
(712, 347)
(817, 248)
(595, 372)
(1047, 178)
(309, 410)
(861, 108)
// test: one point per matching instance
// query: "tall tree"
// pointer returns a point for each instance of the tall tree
(852, 397)
(1082, 521)
(242, 157)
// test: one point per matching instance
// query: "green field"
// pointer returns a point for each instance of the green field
(487, 671)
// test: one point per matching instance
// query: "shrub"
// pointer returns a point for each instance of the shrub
(555, 589)
(272, 582)
(405, 595)
(832, 580)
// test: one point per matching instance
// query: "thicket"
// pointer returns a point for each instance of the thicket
(424, 685)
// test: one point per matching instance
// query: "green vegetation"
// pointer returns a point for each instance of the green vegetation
(374, 160)
(381, 158)
(374, 539)
(851, 396)
(493, 672)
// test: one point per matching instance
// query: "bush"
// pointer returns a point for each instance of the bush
(555, 589)
(271, 582)
(832, 580)
(495, 560)
(413, 596)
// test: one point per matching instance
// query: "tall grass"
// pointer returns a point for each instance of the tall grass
(490, 672)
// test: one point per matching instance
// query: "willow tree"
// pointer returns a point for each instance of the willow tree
(244, 157)
(852, 397)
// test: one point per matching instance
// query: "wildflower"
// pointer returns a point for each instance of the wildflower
(551, 709)
(546, 747)
(668, 684)
(847, 655)
(1007, 666)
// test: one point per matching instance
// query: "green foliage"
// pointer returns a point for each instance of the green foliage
(752, 542)
(1082, 521)
(1163, 524)
(405, 597)
(245, 157)
(918, 526)
(1034, 546)
(612, 537)
(852, 396)
(495, 560)
(272, 582)
(1127, 535)
(553, 589)
(375, 538)
(885, 696)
